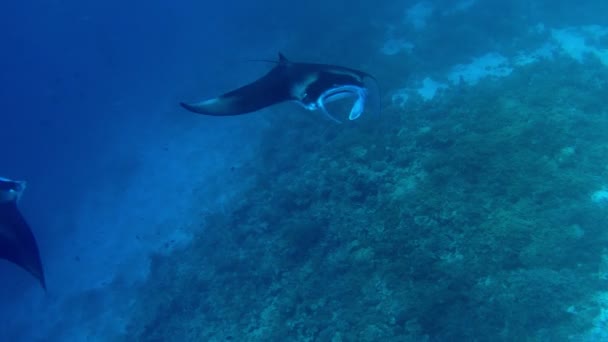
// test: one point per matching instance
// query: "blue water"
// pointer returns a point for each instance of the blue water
(118, 174)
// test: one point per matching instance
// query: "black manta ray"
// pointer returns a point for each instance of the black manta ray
(309, 84)
(17, 242)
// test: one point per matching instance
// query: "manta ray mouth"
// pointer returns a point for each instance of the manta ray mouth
(360, 95)
(348, 100)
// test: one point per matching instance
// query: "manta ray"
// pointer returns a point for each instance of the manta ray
(311, 85)
(17, 242)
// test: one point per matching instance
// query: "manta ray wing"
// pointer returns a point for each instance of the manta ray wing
(270, 89)
(17, 242)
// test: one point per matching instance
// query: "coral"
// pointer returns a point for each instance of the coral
(467, 218)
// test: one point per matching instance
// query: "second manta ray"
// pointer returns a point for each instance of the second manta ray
(17, 242)
(313, 86)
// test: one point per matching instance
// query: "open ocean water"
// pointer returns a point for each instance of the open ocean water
(473, 207)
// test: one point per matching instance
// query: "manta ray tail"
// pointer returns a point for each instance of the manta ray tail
(17, 242)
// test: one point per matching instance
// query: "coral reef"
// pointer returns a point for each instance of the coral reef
(467, 217)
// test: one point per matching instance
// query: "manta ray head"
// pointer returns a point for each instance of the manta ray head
(11, 190)
(350, 92)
